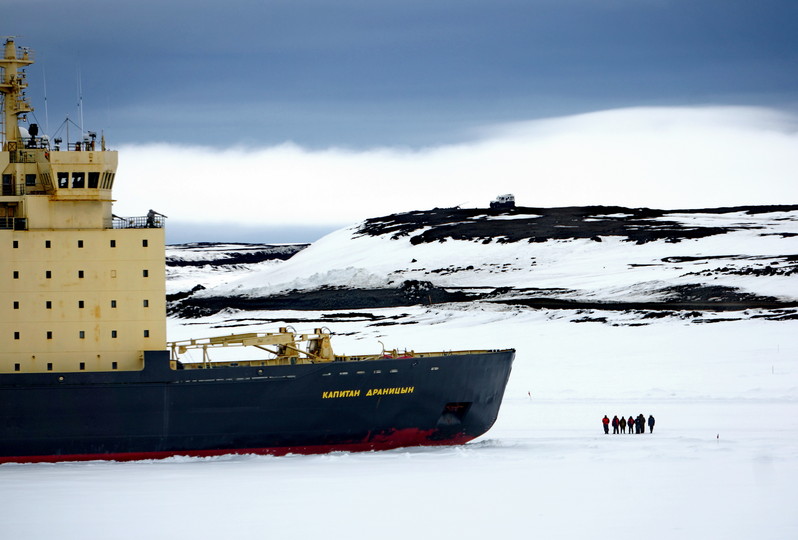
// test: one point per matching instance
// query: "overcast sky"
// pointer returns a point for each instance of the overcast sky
(355, 85)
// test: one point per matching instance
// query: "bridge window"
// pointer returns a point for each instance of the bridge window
(108, 180)
(63, 180)
(78, 180)
(30, 179)
(94, 180)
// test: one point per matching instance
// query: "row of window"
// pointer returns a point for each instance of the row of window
(18, 367)
(48, 244)
(30, 179)
(79, 180)
(48, 274)
(81, 304)
(81, 334)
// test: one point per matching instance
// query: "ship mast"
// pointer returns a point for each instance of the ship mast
(13, 82)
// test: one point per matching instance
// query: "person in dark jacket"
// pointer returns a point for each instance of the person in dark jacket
(606, 422)
(623, 424)
(631, 424)
(615, 425)
(641, 423)
(650, 423)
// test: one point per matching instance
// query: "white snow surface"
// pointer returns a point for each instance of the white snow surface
(722, 461)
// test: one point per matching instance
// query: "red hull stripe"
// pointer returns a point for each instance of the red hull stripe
(384, 444)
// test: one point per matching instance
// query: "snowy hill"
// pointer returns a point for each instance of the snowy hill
(728, 259)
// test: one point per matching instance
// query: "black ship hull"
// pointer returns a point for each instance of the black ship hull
(314, 408)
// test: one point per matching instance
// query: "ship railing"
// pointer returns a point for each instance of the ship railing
(30, 150)
(40, 143)
(397, 354)
(16, 190)
(85, 146)
(23, 156)
(138, 222)
(14, 223)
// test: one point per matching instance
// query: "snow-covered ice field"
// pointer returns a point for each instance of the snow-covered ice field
(722, 461)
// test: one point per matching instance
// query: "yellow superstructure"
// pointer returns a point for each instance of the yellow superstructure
(80, 288)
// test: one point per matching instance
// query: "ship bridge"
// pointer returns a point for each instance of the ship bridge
(49, 185)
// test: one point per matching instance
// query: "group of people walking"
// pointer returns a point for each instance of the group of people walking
(619, 425)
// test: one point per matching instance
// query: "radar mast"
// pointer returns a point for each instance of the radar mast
(12, 87)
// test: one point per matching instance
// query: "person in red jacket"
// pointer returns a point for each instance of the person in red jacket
(606, 422)
(615, 424)
(631, 424)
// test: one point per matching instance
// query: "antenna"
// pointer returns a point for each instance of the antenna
(46, 115)
(80, 100)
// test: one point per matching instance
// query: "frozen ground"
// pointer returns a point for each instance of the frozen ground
(722, 461)
(744, 256)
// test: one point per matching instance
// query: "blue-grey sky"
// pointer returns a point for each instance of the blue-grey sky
(364, 73)
(289, 118)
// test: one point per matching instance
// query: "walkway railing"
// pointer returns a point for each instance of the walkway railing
(19, 189)
(139, 222)
(16, 224)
